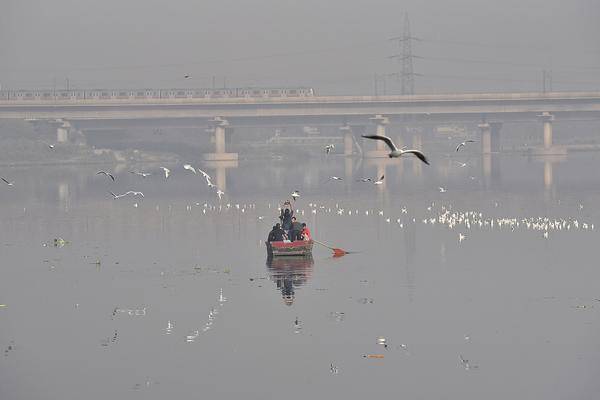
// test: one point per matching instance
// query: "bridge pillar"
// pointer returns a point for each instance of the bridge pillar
(381, 150)
(218, 126)
(346, 132)
(495, 128)
(62, 132)
(547, 119)
(486, 137)
(549, 147)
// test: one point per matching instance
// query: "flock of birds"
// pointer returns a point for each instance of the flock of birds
(167, 173)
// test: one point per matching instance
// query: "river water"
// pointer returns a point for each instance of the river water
(485, 288)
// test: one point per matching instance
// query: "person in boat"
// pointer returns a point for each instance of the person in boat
(296, 230)
(277, 234)
(286, 219)
(305, 232)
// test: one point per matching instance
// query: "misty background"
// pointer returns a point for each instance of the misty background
(335, 46)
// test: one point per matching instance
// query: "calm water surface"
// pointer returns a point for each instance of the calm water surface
(171, 295)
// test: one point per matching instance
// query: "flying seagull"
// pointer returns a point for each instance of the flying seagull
(50, 146)
(329, 147)
(130, 192)
(204, 174)
(379, 181)
(336, 178)
(142, 174)
(189, 168)
(220, 193)
(7, 182)
(295, 194)
(167, 172)
(464, 144)
(396, 152)
(107, 174)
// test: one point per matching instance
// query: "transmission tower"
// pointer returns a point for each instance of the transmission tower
(405, 59)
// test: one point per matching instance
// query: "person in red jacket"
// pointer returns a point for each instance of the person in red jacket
(305, 232)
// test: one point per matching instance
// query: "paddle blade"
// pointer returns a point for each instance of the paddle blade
(339, 252)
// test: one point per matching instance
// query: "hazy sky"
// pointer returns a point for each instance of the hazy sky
(335, 46)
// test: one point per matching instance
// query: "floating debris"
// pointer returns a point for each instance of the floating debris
(466, 364)
(169, 328)
(139, 312)
(337, 316)
(373, 356)
(365, 300)
(334, 370)
(60, 242)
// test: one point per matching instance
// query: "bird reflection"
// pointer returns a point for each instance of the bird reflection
(289, 273)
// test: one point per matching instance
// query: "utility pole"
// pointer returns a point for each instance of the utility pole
(405, 59)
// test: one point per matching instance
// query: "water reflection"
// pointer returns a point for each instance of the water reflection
(289, 273)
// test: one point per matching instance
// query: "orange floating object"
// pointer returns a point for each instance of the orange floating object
(374, 356)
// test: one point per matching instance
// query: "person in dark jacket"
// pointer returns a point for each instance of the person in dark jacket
(286, 219)
(276, 234)
(295, 230)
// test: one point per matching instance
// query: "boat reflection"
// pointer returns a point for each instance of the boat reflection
(289, 273)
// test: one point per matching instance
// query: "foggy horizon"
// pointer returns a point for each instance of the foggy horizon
(335, 47)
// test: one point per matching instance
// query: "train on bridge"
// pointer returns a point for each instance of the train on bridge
(132, 94)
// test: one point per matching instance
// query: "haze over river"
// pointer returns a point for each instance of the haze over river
(486, 288)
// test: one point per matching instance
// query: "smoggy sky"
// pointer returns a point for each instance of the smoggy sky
(335, 46)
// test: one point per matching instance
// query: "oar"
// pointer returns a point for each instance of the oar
(336, 251)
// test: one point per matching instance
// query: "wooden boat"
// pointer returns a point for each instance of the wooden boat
(297, 248)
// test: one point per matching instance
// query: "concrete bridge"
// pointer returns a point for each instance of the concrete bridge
(490, 109)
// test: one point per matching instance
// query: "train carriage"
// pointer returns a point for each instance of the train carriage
(105, 94)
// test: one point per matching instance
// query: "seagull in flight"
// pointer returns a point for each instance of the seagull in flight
(167, 171)
(107, 174)
(220, 193)
(464, 144)
(336, 178)
(142, 174)
(7, 182)
(396, 152)
(208, 178)
(295, 194)
(329, 147)
(50, 146)
(379, 181)
(461, 164)
(130, 192)
(442, 190)
(190, 168)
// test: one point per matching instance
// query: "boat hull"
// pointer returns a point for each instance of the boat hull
(298, 248)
